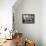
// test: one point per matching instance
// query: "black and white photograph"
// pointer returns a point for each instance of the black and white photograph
(28, 18)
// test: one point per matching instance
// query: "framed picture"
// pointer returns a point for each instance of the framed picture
(28, 18)
(13, 22)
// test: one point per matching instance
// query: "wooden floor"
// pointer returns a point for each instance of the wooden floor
(9, 43)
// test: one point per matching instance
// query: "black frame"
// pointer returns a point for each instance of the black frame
(28, 18)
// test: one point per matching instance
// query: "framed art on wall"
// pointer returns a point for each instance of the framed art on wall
(28, 18)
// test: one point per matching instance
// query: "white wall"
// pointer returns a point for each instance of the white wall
(31, 31)
(6, 13)
(43, 22)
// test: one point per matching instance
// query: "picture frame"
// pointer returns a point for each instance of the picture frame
(28, 18)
